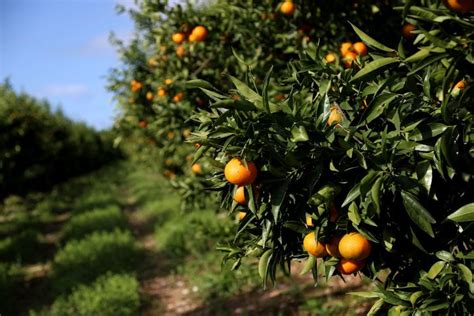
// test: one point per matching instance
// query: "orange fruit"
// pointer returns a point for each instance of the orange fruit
(315, 248)
(242, 215)
(461, 6)
(192, 38)
(309, 221)
(170, 135)
(360, 48)
(460, 85)
(239, 195)
(180, 51)
(354, 246)
(149, 96)
(349, 57)
(178, 38)
(178, 97)
(197, 146)
(143, 124)
(330, 58)
(196, 168)
(186, 133)
(288, 8)
(335, 116)
(199, 34)
(345, 48)
(152, 62)
(168, 81)
(235, 172)
(407, 31)
(346, 266)
(161, 92)
(169, 174)
(332, 247)
(135, 85)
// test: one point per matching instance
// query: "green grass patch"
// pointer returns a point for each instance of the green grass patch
(106, 219)
(110, 295)
(82, 261)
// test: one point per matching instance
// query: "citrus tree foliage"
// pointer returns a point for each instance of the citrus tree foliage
(163, 55)
(384, 148)
(39, 147)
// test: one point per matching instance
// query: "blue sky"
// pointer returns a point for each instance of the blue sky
(59, 50)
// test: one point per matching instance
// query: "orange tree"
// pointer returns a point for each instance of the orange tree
(369, 169)
(174, 44)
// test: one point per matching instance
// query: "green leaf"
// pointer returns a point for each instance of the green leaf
(418, 214)
(370, 41)
(419, 55)
(463, 214)
(309, 264)
(375, 192)
(366, 294)
(299, 134)
(424, 173)
(374, 67)
(198, 83)
(277, 197)
(374, 310)
(466, 275)
(352, 195)
(435, 269)
(263, 264)
(444, 255)
(353, 214)
(252, 96)
(427, 131)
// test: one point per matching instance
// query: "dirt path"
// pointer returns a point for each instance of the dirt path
(163, 293)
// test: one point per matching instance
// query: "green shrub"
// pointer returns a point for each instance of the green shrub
(82, 261)
(22, 247)
(192, 234)
(107, 219)
(110, 295)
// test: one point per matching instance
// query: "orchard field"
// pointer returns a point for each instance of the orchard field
(267, 158)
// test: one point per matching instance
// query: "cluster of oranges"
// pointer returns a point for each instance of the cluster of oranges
(135, 85)
(237, 173)
(198, 34)
(352, 250)
(461, 6)
(350, 51)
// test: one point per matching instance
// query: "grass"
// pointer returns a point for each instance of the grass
(82, 261)
(110, 295)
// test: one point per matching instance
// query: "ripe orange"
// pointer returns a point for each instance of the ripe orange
(460, 85)
(315, 248)
(354, 246)
(345, 48)
(360, 48)
(332, 247)
(169, 174)
(288, 8)
(135, 85)
(161, 92)
(152, 62)
(346, 266)
(178, 97)
(242, 215)
(168, 81)
(330, 58)
(349, 57)
(199, 34)
(192, 38)
(461, 6)
(143, 124)
(239, 195)
(170, 135)
(335, 116)
(407, 31)
(149, 96)
(235, 172)
(196, 168)
(178, 38)
(180, 51)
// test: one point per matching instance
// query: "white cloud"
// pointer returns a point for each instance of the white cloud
(62, 90)
(100, 44)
